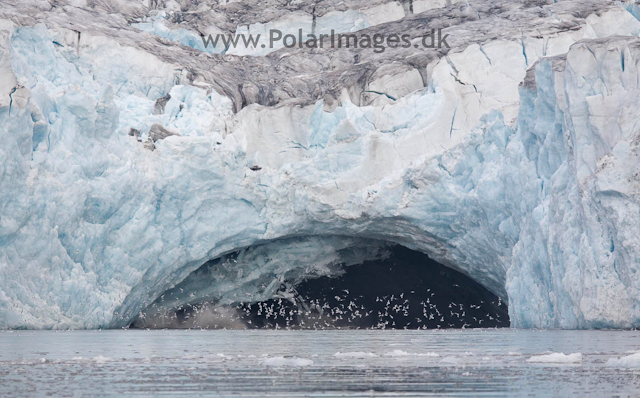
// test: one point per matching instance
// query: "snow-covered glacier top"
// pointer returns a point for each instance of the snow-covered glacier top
(131, 154)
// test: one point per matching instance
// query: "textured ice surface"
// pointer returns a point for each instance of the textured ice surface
(511, 158)
(156, 25)
(342, 19)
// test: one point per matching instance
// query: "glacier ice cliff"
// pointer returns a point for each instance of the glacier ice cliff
(129, 156)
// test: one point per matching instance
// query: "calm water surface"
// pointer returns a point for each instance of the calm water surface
(355, 363)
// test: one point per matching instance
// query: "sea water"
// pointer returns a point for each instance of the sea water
(330, 363)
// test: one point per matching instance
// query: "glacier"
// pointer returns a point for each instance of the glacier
(511, 157)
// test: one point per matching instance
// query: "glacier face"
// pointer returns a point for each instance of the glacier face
(511, 158)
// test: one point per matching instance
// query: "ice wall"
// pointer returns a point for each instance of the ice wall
(527, 188)
(579, 126)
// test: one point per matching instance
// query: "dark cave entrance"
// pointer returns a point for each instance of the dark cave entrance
(407, 290)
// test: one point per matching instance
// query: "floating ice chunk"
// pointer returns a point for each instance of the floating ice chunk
(355, 355)
(102, 359)
(630, 361)
(397, 353)
(556, 357)
(400, 353)
(451, 360)
(287, 361)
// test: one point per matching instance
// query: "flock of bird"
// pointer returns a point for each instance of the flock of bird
(336, 310)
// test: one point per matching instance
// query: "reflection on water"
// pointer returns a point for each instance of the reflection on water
(344, 363)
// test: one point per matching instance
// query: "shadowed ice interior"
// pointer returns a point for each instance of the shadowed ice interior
(356, 284)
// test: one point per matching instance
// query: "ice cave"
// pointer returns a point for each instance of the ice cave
(395, 288)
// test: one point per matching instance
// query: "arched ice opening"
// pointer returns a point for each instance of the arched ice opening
(330, 282)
